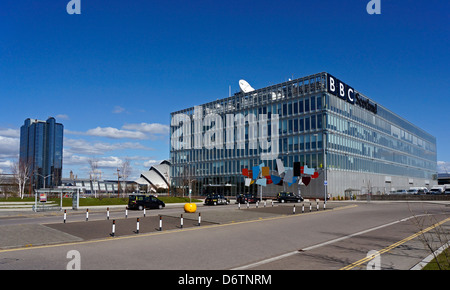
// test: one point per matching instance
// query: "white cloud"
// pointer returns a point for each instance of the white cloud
(128, 131)
(150, 163)
(118, 110)
(79, 146)
(443, 166)
(62, 117)
(13, 133)
(153, 128)
(115, 133)
(9, 147)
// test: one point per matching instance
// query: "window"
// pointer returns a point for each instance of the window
(319, 103)
(313, 103)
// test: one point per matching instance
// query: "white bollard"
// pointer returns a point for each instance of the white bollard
(137, 226)
(181, 221)
(160, 223)
(87, 214)
(199, 218)
(113, 228)
(65, 215)
(107, 213)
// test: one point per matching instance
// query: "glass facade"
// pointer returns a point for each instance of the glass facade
(311, 122)
(41, 147)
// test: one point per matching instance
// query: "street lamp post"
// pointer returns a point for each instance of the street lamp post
(325, 182)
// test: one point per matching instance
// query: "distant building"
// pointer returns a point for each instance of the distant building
(443, 178)
(41, 147)
(157, 177)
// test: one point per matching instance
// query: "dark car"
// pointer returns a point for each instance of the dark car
(288, 197)
(244, 198)
(144, 201)
(215, 199)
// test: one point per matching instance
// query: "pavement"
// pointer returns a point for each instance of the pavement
(27, 231)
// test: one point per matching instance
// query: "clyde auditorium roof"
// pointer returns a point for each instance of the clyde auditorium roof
(157, 176)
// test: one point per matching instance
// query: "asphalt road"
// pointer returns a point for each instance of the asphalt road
(229, 238)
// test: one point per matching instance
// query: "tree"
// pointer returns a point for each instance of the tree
(125, 168)
(21, 171)
(93, 163)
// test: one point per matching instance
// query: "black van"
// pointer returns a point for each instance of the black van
(144, 201)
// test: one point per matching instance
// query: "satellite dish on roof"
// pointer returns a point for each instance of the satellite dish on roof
(245, 87)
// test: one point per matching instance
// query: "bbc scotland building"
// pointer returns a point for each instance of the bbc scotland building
(357, 145)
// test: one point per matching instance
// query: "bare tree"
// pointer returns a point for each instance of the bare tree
(21, 171)
(125, 168)
(93, 163)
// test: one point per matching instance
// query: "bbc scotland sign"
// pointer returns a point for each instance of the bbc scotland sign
(347, 93)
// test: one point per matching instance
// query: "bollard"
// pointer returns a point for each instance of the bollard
(239, 205)
(144, 211)
(324, 205)
(87, 214)
(160, 223)
(264, 203)
(113, 228)
(310, 207)
(199, 218)
(303, 207)
(293, 210)
(247, 204)
(137, 226)
(272, 202)
(257, 204)
(181, 221)
(107, 213)
(65, 212)
(126, 213)
(317, 206)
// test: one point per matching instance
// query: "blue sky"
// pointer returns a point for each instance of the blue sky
(113, 74)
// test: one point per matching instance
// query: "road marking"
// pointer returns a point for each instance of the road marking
(110, 239)
(387, 249)
(318, 245)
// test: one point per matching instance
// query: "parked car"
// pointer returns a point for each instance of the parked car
(289, 197)
(142, 201)
(401, 191)
(215, 199)
(244, 198)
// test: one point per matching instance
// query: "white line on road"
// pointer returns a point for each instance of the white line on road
(253, 265)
